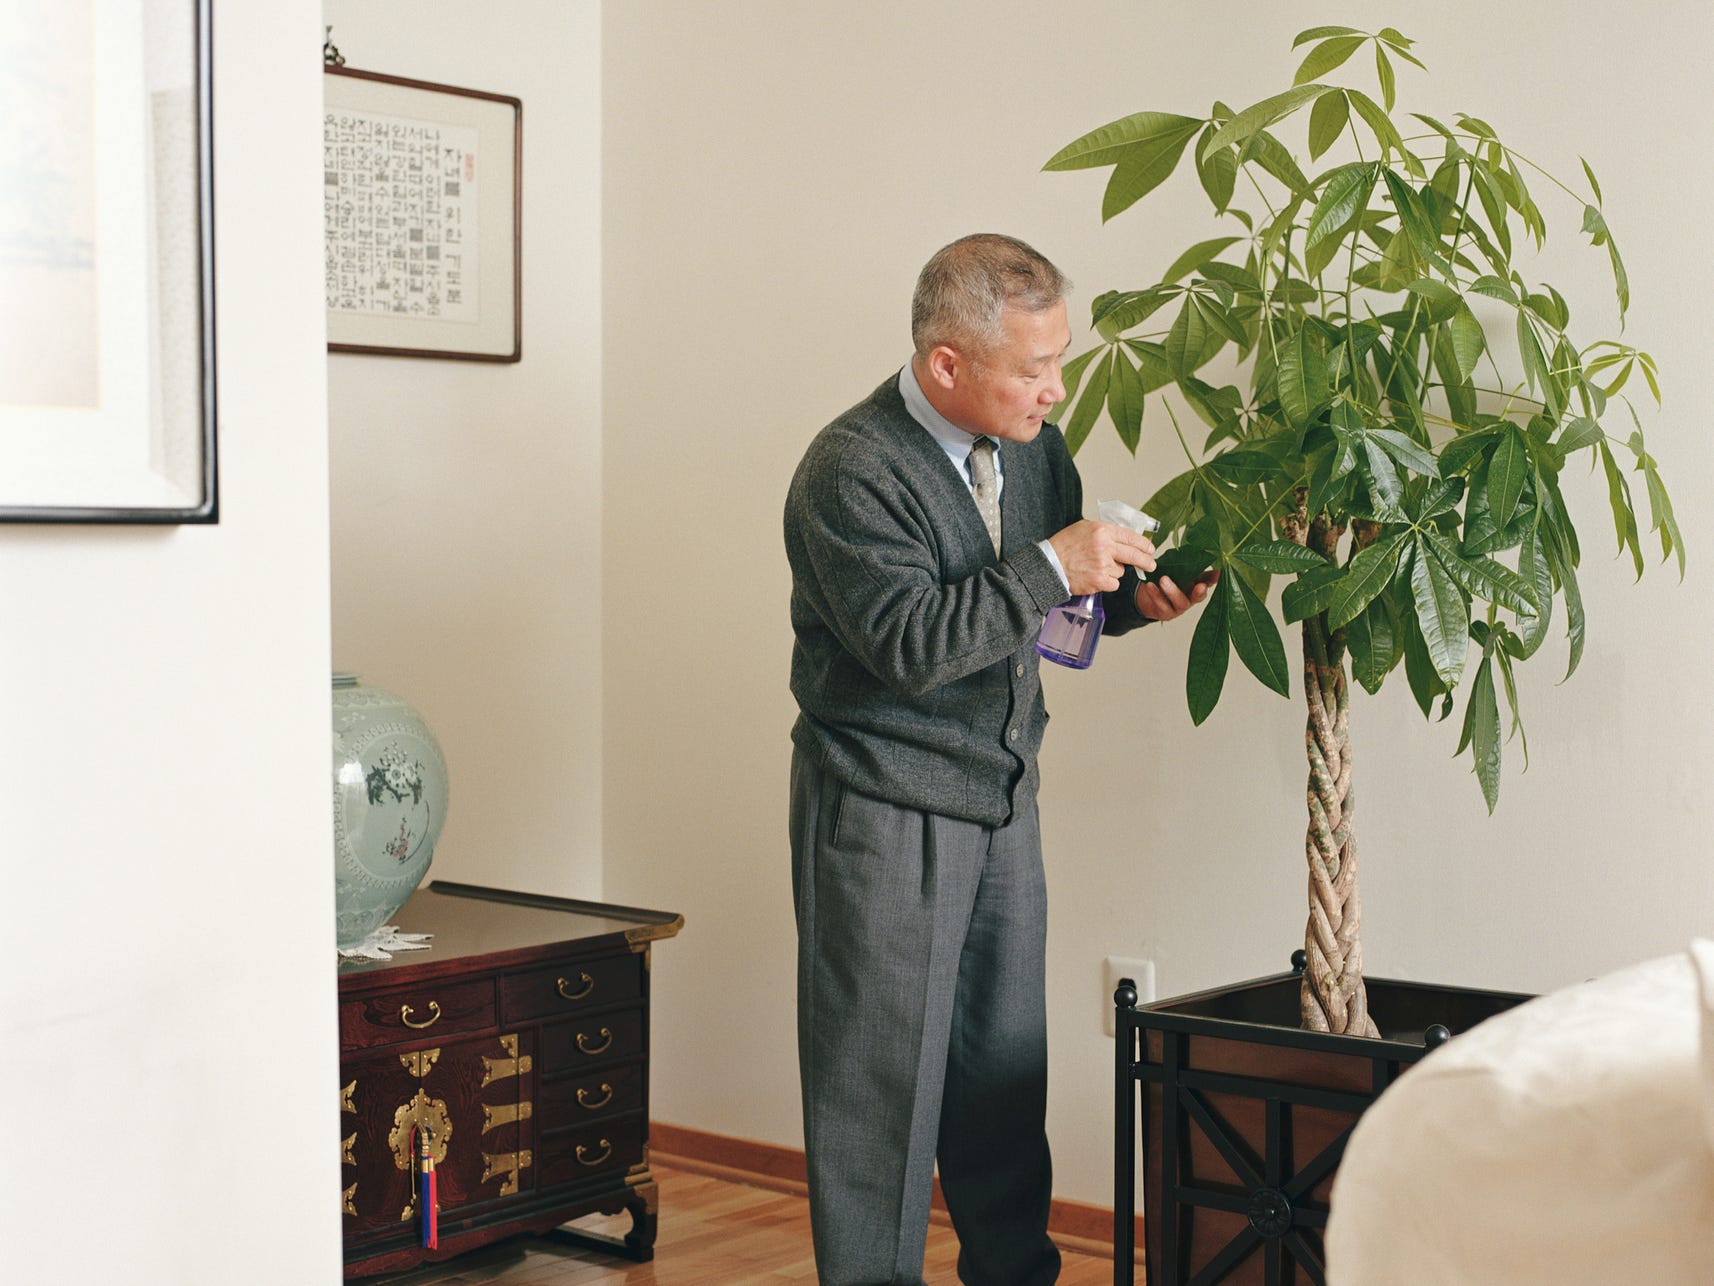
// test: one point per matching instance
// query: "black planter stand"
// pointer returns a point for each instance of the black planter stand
(1244, 1119)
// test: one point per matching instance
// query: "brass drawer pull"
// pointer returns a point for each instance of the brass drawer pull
(596, 1049)
(567, 994)
(583, 1099)
(606, 1151)
(433, 1018)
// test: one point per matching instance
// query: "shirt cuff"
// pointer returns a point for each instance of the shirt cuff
(1046, 546)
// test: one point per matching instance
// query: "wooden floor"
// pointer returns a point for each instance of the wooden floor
(713, 1232)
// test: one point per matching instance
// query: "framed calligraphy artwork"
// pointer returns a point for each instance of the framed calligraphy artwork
(422, 186)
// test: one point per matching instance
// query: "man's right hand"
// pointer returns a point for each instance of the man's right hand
(1094, 555)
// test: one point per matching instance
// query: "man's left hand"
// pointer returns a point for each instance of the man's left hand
(1163, 601)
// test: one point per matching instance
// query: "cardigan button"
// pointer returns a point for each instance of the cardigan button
(1014, 734)
(1020, 671)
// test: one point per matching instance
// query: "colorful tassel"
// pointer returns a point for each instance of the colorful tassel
(426, 1191)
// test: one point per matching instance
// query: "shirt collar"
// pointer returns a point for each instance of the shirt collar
(955, 441)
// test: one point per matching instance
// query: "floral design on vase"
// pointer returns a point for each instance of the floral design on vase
(389, 804)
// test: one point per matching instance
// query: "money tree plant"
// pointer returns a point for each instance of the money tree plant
(1395, 404)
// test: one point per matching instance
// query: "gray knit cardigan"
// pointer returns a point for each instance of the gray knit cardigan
(914, 665)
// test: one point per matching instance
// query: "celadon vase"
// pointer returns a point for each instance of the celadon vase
(389, 804)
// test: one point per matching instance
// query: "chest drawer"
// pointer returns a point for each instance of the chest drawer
(589, 1151)
(571, 987)
(573, 1100)
(416, 1013)
(582, 1043)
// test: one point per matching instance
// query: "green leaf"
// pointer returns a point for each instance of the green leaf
(1386, 490)
(1171, 502)
(1373, 645)
(1624, 517)
(1327, 122)
(1577, 434)
(1593, 185)
(1366, 576)
(1269, 153)
(1467, 340)
(1413, 218)
(1281, 557)
(1386, 134)
(1151, 132)
(1243, 467)
(1143, 169)
(1261, 115)
(1441, 615)
(1301, 379)
(1125, 398)
(1532, 566)
(1484, 578)
(1310, 593)
(1347, 191)
(1661, 518)
(1425, 684)
(1406, 451)
(1507, 472)
(1194, 258)
(1329, 54)
(1458, 454)
(1441, 497)
(1210, 650)
(1482, 728)
(1188, 338)
(1384, 70)
(1255, 637)
(1321, 33)
(1118, 311)
(1217, 171)
(1090, 404)
(1534, 362)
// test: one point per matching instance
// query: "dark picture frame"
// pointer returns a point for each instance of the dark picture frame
(423, 193)
(107, 361)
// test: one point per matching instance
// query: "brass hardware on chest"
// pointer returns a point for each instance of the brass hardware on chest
(430, 1114)
(493, 1117)
(405, 1012)
(347, 1102)
(419, 1062)
(346, 1155)
(583, 1099)
(498, 1069)
(508, 1164)
(594, 1158)
(606, 1041)
(585, 985)
(348, 1201)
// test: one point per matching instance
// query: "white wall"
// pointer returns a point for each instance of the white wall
(466, 496)
(774, 174)
(168, 1050)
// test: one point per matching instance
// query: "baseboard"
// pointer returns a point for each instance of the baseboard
(1075, 1225)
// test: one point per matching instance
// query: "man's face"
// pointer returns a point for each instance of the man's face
(1008, 393)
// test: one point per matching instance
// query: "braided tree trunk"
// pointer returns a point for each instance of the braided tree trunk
(1333, 998)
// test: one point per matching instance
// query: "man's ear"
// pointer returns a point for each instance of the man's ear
(944, 364)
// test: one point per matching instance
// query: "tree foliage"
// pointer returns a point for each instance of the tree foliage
(1396, 377)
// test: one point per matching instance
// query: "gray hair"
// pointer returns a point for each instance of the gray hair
(963, 290)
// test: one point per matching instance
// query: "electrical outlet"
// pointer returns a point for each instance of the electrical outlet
(1140, 972)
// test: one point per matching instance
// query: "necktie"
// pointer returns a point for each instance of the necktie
(987, 488)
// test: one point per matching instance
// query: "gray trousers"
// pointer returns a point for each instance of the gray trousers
(922, 1034)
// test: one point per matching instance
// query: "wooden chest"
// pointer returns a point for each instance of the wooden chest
(519, 1043)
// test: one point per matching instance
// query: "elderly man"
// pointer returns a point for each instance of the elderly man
(929, 530)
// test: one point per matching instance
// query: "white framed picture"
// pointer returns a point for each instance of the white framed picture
(107, 390)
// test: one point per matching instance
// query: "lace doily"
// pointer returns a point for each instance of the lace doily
(381, 944)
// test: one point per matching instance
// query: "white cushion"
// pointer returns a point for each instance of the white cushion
(1567, 1142)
